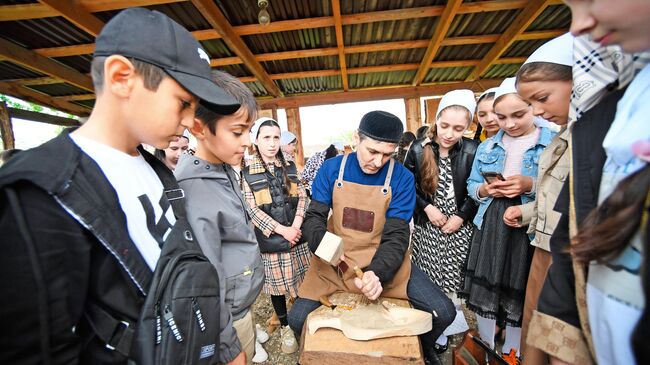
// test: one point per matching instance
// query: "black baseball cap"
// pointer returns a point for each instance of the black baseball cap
(152, 37)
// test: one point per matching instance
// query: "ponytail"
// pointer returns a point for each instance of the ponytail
(429, 168)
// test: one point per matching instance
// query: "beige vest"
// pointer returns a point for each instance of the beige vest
(360, 245)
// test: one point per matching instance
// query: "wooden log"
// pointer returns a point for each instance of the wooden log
(330, 347)
(294, 126)
(413, 114)
(6, 129)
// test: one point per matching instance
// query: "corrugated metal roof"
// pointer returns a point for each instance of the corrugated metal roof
(448, 74)
(57, 31)
(10, 71)
(60, 89)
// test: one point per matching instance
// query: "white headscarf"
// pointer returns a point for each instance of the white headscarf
(558, 50)
(462, 97)
(506, 87)
(287, 137)
(490, 90)
(256, 128)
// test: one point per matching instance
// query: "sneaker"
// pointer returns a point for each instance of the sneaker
(260, 334)
(260, 354)
(440, 349)
(511, 358)
(289, 343)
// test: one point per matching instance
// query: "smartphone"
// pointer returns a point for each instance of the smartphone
(490, 176)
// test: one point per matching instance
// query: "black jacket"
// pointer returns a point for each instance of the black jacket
(86, 256)
(558, 296)
(280, 204)
(462, 157)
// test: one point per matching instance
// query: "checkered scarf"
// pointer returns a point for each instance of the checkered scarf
(599, 70)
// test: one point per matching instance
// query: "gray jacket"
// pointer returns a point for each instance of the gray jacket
(216, 211)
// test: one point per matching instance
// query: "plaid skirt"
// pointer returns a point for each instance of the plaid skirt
(284, 271)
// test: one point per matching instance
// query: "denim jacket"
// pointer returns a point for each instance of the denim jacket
(491, 157)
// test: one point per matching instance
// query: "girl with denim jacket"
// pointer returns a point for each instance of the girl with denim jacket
(500, 255)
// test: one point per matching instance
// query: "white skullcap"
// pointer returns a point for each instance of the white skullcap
(490, 90)
(186, 134)
(462, 97)
(558, 50)
(506, 87)
(339, 145)
(287, 137)
(256, 128)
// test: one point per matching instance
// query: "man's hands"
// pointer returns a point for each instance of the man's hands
(511, 187)
(435, 216)
(290, 234)
(369, 285)
(512, 216)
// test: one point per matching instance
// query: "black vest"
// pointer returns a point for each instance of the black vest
(277, 200)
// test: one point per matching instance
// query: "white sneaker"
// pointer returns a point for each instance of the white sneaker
(289, 343)
(260, 334)
(260, 354)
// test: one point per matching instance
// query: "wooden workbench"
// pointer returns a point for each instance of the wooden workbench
(330, 347)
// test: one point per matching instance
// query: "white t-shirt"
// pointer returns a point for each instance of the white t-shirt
(149, 216)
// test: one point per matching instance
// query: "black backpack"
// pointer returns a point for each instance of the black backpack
(179, 321)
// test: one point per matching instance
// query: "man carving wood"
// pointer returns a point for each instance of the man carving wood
(372, 200)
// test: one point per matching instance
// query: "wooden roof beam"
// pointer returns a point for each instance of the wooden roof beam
(338, 28)
(34, 61)
(217, 19)
(444, 21)
(79, 97)
(66, 51)
(76, 14)
(396, 92)
(42, 117)
(384, 68)
(27, 94)
(518, 26)
(35, 11)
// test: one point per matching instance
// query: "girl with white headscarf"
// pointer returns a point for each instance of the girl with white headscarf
(441, 163)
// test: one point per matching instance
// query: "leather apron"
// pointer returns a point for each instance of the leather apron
(358, 217)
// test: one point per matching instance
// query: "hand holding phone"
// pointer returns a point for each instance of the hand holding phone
(491, 177)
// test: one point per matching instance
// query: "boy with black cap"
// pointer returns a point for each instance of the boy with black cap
(94, 200)
(372, 200)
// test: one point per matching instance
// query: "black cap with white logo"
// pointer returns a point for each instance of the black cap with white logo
(152, 37)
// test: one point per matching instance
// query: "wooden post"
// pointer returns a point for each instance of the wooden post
(293, 123)
(269, 113)
(6, 129)
(430, 109)
(413, 114)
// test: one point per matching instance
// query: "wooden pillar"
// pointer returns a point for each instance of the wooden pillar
(430, 109)
(293, 123)
(413, 114)
(269, 113)
(5, 128)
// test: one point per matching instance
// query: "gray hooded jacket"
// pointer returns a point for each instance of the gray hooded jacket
(217, 213)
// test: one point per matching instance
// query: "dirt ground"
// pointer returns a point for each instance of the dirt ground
(263, 310)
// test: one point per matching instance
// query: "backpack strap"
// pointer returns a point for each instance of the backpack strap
(41, 287)
(117, 335)
(174, 193)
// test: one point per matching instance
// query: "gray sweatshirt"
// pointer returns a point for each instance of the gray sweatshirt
(216, 211)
